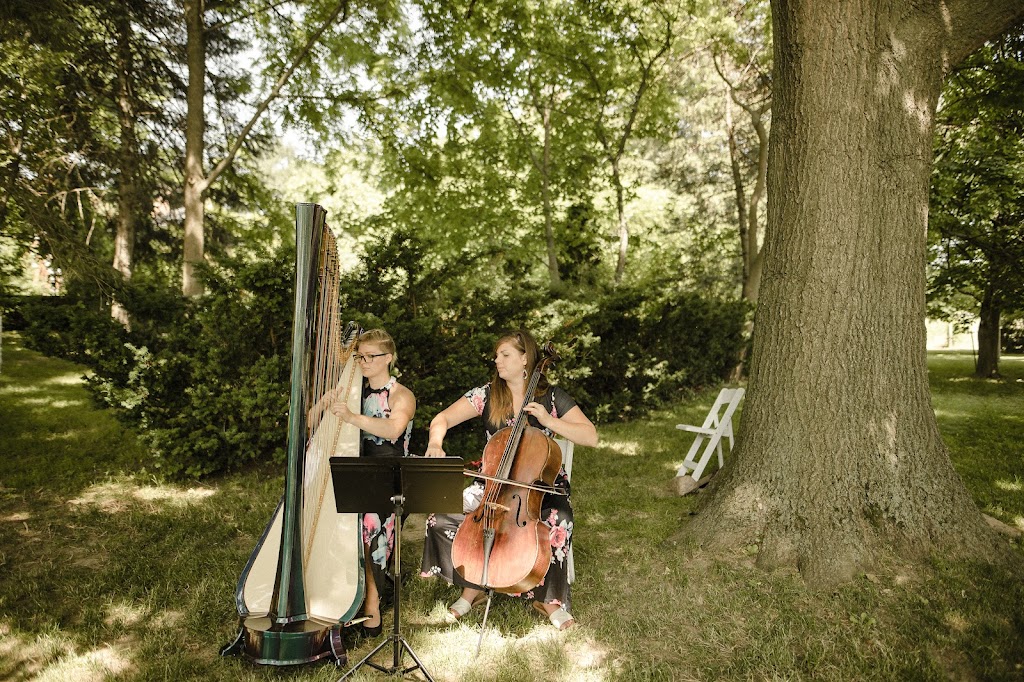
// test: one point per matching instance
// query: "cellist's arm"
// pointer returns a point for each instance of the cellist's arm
(456, 413)
(573, 425)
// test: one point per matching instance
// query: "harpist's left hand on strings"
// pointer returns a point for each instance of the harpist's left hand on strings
(339, 408)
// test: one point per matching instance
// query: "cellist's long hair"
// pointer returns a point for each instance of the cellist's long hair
(501, 407)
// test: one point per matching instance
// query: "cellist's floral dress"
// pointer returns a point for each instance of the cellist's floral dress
(556, 510)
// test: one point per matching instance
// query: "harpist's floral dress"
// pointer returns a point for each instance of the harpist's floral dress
(380, 537)
(556, 510)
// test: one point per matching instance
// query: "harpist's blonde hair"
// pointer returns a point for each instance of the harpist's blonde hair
(382, 339)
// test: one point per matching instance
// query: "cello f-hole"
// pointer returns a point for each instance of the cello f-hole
(520, 513)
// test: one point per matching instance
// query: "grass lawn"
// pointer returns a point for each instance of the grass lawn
(107, 573)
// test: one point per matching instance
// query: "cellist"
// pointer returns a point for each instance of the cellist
(551, 410)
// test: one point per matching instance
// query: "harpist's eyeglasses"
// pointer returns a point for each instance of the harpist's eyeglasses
(367, 358)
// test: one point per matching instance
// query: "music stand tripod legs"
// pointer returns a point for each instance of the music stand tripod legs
(396, 639)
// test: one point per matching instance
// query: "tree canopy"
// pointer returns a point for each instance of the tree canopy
(632, 179)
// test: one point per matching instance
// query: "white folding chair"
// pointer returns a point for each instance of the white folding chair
(709, 436)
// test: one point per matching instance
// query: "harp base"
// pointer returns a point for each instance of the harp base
(263, 642)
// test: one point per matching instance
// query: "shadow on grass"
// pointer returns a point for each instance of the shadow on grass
(114, 575)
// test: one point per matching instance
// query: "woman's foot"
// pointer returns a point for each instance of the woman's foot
(465, 603)
(373, 624)
(556, 615)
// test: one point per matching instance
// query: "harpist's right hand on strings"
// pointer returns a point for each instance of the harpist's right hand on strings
(434, 451)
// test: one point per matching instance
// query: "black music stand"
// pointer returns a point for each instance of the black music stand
(396, 485)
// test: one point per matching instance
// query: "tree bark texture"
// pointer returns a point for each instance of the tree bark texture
(195, 125)
(839, 459)
(988, 336)
(545, 179)
(620, 212)
(128, 189)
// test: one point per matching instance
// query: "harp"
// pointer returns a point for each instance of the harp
(305, 576)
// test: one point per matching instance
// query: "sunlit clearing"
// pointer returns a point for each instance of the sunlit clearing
(452, 653)
(16, 516)
(629, 448)
(114, 497)
(66, 379)
(50, 402)
(1013, 486)
(956, 621)
(166, 619)
(587, 659)
(125, 613)
(30, 655)
(947, 414)
(95, 665)
(15, 390)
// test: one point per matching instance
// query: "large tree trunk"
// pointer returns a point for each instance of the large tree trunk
(988, 336)
(620, 213)
(195, 124)
(128, 190)
(839, 458)
(13, 170)
(196, 183)
(549, 227)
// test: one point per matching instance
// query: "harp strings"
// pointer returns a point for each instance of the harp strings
(327, 368)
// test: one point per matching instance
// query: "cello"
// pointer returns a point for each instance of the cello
(503, 545)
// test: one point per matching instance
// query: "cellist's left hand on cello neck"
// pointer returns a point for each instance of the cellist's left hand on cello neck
(537, 411)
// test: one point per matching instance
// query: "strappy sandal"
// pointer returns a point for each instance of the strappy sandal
(560, 618)
(462, 606)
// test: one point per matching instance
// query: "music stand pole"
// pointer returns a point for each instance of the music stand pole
(419, 484)
(396, 638)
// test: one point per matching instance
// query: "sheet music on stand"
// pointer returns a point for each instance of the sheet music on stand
(366, 484)
(386, 485)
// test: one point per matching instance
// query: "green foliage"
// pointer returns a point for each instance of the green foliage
(643, 351)
(68, 329)
(1013, 334)
(976, 217)
(205, 381)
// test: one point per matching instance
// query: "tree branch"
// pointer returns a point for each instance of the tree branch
(274, 92)
(965, 25)
(228, 22)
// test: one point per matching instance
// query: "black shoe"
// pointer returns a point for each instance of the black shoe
(376, 629)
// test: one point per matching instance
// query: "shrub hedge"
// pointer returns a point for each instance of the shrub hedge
(205, 381)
